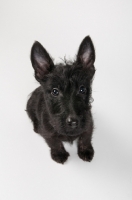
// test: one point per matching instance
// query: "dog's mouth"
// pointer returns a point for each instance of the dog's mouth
(72, 132)
(69, 129)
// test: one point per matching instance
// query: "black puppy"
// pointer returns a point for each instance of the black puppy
(60, 108)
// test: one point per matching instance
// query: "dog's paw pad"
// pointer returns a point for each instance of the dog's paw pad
(86, 155)
(59, 156)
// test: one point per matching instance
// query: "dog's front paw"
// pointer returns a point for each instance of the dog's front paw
(59, 156)
(86, 154)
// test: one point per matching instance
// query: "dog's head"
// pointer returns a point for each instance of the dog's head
(67, 87)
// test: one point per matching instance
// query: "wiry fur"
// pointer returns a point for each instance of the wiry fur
(67, 115)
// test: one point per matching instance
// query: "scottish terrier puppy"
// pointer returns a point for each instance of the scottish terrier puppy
(60, 108)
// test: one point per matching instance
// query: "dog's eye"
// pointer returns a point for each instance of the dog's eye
(82, 90)
(55, 92)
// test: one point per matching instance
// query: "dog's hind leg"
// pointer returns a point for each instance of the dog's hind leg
(32, 115)
(35, 122)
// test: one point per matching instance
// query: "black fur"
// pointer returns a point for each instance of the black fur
(60, 108)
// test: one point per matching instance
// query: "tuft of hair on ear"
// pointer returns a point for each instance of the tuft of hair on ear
(41, 61)
(86, 56)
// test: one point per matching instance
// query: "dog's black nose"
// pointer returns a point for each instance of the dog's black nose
(72, 122)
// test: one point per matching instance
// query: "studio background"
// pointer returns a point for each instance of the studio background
(26, 169)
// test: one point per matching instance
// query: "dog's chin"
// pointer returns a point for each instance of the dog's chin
(71, 132)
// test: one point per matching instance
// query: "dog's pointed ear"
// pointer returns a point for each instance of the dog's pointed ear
(41, 61)
(86, 52)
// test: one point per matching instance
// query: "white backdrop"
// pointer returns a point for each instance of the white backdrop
(26, 169)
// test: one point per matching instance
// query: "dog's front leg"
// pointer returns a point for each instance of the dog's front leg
(58, 152)
(85, 149)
